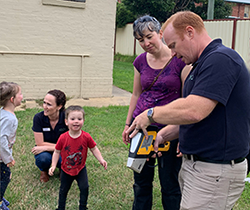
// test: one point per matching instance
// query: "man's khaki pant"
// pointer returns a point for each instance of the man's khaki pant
(209, 186)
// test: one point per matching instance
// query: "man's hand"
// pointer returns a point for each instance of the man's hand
(159, 154)
(158, 140)
(140, 122)
(168, 133)
(179, 154)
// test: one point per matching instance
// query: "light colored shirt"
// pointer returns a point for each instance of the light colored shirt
(8, 127)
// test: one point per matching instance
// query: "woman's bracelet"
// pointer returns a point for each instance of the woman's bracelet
(127, 124)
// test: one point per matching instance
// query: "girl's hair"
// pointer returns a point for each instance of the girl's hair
(60, 98)
(7, 91)
(74, 108)
(145, 22)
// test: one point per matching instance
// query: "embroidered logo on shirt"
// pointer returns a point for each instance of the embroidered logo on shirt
(46, 129)
(62, 129)
(191, 77)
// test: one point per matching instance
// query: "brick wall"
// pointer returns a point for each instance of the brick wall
(238, 10)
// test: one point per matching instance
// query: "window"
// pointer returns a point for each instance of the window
(66, 3)
(246, 12)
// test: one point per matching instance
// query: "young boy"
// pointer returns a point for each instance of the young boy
(73, 147)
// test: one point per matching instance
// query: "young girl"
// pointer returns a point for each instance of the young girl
(73, 147)
(10, 97)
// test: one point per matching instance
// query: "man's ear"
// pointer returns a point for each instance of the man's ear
(190, 32)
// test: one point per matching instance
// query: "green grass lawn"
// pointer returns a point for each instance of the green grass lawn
(123, 75)
(110, 189)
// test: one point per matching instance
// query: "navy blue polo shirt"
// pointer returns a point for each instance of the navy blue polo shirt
(219, 74)
(41, 123)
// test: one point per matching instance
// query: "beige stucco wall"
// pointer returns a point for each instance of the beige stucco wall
(44, 47)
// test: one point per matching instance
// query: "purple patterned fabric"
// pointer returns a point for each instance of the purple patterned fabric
(166, 89)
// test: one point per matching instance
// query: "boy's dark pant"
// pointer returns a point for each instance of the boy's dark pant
(66, 182)
(5, 178)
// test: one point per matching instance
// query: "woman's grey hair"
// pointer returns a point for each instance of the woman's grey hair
(145, 22)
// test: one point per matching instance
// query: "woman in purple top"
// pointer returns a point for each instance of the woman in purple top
(168, 87)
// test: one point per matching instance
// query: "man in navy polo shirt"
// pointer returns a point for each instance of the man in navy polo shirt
(214, 116)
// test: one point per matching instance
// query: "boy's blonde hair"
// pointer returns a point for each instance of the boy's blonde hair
(74, 108)
(7, 91)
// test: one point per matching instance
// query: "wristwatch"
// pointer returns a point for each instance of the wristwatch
(150, 115)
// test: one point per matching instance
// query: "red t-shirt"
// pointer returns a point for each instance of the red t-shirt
(74, 151)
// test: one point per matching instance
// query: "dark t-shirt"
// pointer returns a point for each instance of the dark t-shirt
(41, 124)
(219, 74)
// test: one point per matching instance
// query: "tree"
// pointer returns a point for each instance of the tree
(123, 15)
(129, 10)
(160, 9)
(221, 9)
(180, 5)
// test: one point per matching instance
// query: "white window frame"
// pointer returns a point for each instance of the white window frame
(65, 3)
(246, 11)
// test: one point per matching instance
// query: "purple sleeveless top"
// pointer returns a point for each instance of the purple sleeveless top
(166, 89)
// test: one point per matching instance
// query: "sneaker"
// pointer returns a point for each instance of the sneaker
(6, 202)
(4, 207)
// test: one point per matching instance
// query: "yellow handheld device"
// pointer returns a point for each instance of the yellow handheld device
(142, 148)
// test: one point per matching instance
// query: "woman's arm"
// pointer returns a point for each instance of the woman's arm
(41, 146)
(137, 89)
